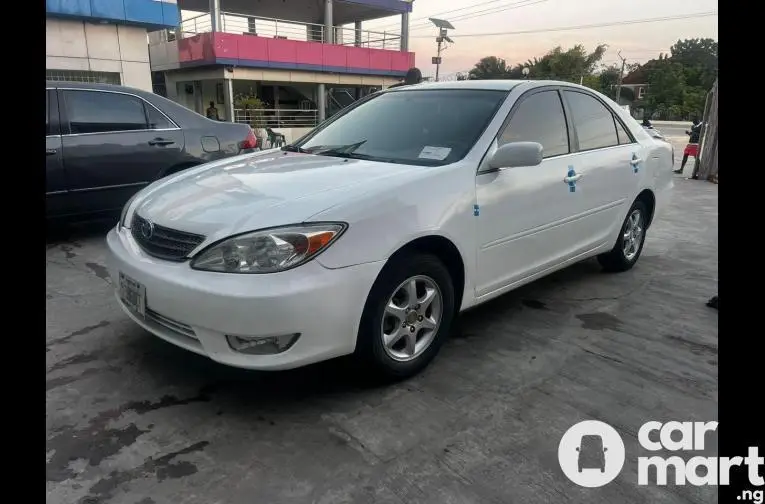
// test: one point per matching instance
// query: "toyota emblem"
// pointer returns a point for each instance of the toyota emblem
(147, 229)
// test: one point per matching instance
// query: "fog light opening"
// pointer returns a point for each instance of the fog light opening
(262, 345)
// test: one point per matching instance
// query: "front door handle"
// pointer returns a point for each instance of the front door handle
(161, 141)
(572, 178)
(50, 152)
(635, 161)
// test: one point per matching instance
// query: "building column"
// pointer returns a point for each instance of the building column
(215, 16)
(329, 35)
(321, 102)
(199, 106)
(228, 98)
(357, 28)
(276, 104)
(404, 31)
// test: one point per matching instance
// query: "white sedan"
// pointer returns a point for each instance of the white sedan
(368, 235)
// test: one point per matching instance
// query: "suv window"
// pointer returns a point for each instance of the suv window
(595, 125)
(539, 118)
(101, 112)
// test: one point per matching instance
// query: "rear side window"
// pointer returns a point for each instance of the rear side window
(621, 133)
(103, 112)
(539, 118)
(156, 119)
(594, 123)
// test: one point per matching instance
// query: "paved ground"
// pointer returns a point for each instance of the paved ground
(133, 420)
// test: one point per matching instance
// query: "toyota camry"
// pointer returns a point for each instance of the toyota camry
(368, 235)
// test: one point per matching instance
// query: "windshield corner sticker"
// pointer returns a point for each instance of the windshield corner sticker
(437, 153)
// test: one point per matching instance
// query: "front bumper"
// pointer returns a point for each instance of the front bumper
(195, 310)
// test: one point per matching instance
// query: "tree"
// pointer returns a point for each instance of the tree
(666, 82)
(571, 65)
(490, 67)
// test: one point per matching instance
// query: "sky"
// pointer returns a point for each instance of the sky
(637, 42)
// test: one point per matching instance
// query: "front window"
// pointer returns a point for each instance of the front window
(420, 127)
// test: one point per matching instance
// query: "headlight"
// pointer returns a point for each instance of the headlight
(269, 250)
(123, 215)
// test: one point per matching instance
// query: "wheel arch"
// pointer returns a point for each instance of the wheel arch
(447, 252)
(649, 200)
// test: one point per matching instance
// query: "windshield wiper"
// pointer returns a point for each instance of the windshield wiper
(294, 148)
(338, 150)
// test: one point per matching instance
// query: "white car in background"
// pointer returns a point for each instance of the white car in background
(371, 233)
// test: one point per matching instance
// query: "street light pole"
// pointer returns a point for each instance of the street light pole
(442, 26)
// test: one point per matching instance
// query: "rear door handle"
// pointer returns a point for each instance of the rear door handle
(572, 178)
(161, 141)
(50, 152)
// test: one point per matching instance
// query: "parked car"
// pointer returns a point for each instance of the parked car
(105, 142)
(369, 234)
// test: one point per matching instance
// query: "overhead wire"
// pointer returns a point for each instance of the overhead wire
(582, 27)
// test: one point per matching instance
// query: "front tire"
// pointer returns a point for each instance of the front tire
(407, 317)
(629, 246)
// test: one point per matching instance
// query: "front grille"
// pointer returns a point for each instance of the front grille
(163, 242)
(170, 324)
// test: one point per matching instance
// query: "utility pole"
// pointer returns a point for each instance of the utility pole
(621, 76)
(442, 26)
(440, 41)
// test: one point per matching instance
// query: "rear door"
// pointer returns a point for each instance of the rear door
(114, 144)
(609, 161)
(56, 189)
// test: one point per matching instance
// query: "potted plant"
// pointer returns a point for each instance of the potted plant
(253, 107)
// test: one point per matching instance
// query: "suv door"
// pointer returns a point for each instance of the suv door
(609, 161)
(56, 189)
(114, 144)
(526, 212)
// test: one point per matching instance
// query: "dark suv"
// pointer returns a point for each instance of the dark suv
(104, 143)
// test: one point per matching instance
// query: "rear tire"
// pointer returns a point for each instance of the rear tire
(407, 317)
(629, 246)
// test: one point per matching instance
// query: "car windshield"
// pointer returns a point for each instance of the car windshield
(421, 127)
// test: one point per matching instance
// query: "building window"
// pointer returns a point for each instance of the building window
(83, 76)
(641, 93)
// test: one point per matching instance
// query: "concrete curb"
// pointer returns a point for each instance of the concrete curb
(672, 123)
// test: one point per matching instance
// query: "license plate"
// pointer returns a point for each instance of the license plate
(133, 294)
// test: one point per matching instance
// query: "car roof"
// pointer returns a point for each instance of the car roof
(93, 86)
(492, 85)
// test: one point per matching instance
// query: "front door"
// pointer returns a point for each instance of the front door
(114, 144)
(526, 215)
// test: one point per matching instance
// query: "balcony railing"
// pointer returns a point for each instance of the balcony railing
(282, 29)
(278, 118)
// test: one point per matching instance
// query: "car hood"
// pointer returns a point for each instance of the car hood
(256, 191)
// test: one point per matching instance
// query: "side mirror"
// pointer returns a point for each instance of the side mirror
(515, 154)
(605, 450)
(577, 448)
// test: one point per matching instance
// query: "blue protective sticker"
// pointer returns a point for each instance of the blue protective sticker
(635, 166)
(572, 184)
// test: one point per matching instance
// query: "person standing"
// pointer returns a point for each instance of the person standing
(413, 76)
(692, 149)
(212, 112)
